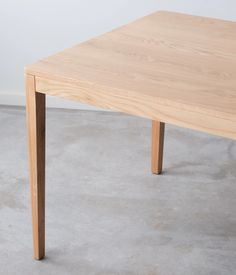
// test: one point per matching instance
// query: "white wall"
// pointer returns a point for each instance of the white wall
(32, 29)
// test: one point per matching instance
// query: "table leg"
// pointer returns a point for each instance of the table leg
(35, 106)
(158, 129)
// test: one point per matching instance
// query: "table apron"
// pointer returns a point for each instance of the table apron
(161, 110)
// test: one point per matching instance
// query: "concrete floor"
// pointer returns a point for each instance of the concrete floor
(106, 213)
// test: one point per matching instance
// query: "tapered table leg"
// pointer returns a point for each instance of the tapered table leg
(158, 129)
(35, 107)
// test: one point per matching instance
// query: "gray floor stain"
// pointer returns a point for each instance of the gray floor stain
(10, 200)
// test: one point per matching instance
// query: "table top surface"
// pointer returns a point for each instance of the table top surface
(167, 56)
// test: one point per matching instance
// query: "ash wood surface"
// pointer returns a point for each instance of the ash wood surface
(158, 129)
(35, 104)
(169, 67)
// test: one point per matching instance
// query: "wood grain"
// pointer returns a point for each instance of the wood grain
(35, 104)
(158, 130)
(141, 105)
(169, 67)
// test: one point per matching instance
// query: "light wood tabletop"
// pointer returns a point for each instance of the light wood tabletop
(176, 68)
(168, 67)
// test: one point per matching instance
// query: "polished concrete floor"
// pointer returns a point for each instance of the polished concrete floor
(106, 213)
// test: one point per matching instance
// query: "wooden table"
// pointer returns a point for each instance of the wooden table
(168, 67)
